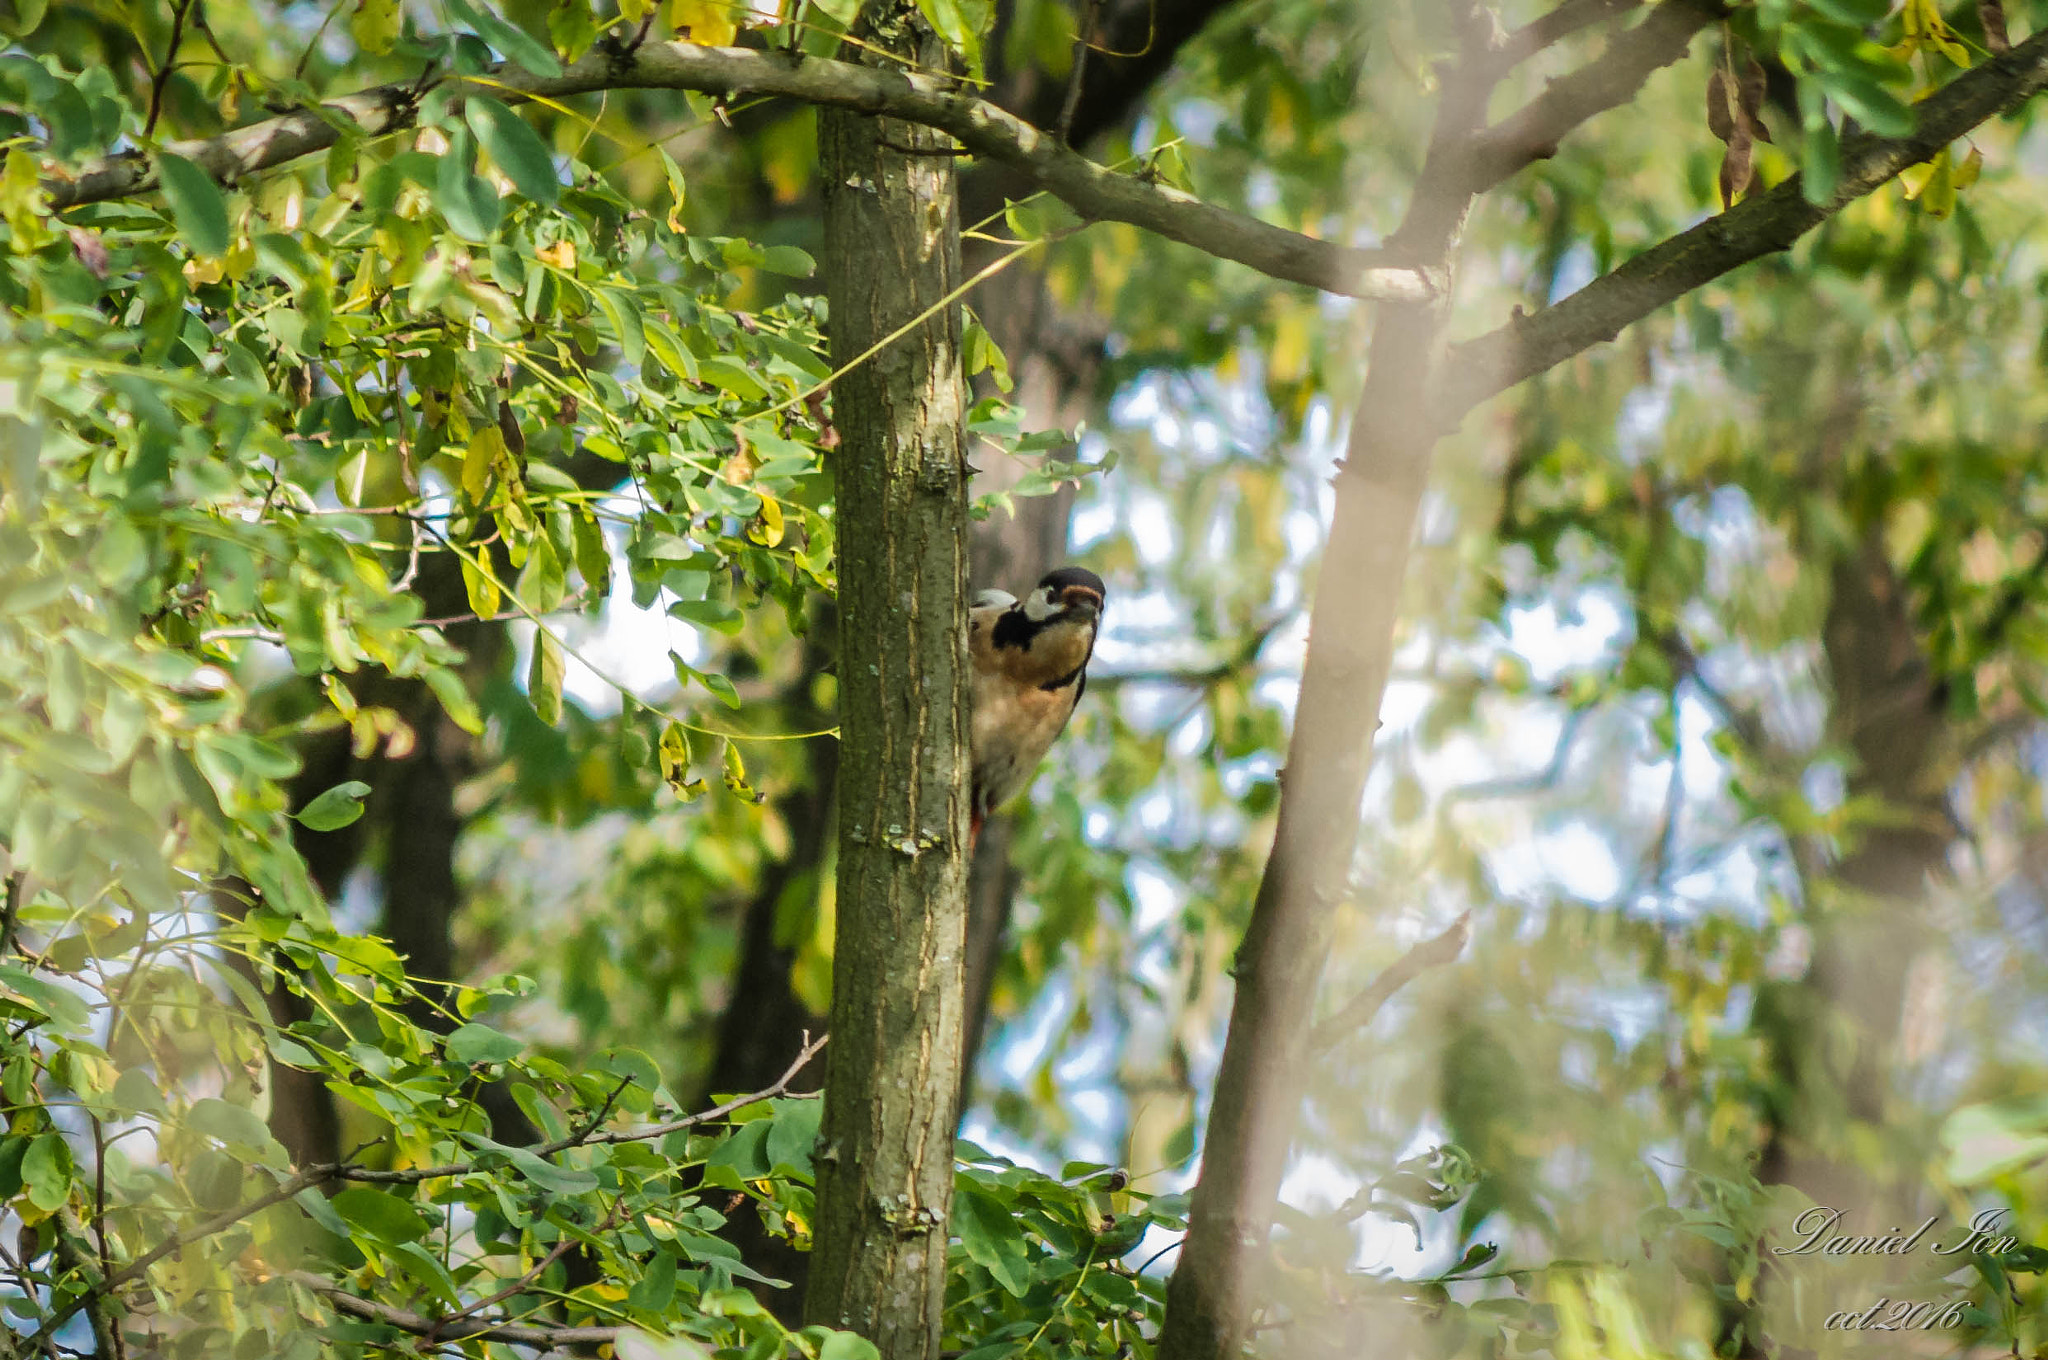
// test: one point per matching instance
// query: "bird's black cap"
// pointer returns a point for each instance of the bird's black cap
(1074, 576)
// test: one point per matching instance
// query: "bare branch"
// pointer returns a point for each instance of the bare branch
(1357, 1013)
(1552, 28)
(1093, 191)
(1760, 225)
(451, 1328)
(1609, 81)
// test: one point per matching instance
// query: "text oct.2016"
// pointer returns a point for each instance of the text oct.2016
(1817, 1226)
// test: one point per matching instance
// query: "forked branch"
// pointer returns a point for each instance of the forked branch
(1758, 226)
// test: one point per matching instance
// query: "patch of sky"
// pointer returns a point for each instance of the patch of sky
(1583, 631)
(626, 645)
(1027, 1040)
(1197, 119)
(1574, 272)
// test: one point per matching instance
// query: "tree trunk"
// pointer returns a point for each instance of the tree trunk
(1255, 1107)
(1258, 1087)
(1867, 915)
(885, 1166)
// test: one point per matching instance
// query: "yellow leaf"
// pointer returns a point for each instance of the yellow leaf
(240, 259)
(1915, 178)
(375, 25)
(480, 459)
(21, 200)
(561, 255)
(633, 11)
(675, 762)
(282, 200)
(201, 272)
(1967, 172)
(709, 22)
(482, 590)
(675, 192)
(768, 532)
(1937, 191)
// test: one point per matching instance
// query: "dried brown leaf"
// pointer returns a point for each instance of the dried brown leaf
(1738, 167)
(1750, 98)
(1721, 107)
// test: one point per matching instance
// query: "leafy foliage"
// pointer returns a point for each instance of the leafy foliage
(279, 459)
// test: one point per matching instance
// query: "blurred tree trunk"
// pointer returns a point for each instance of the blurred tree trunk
(1867, 914)
(1831, 1037)
(885, 1166)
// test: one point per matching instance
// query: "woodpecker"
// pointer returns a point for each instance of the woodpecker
(1030, 667)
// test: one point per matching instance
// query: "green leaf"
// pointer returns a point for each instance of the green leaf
(550, 1175)
(515, 146)
(467, 202)
(196, 204)
(960, 23)
(336, 808)
(137, 1090)
(720, 687)
(474, 1043)
(47, 1172)
(653, 1290)
(717, 615)
(745, 1152)
(516, 43)
(448, 686)
(789, 260)
(1990, 1139)
(232, 1124)
(623, 312)
(991, 1237)
(544, 677)
(847, 1346)
(13, 1149)
(733, 378)
(637, 1345)
(794, 1134)
(64, 1007)
(380, 1215)
(1821, 173)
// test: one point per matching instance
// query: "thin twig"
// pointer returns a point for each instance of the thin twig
(1550, 29)
(448, 1329)
(343, 1171)
(1358, 1013)
(299, 71)
(1084, 40)
(561, 1249)
(161, 77)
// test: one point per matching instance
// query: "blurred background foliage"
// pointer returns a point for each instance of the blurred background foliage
(431, 543)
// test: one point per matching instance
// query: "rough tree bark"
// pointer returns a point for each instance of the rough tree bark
(885, 1164)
